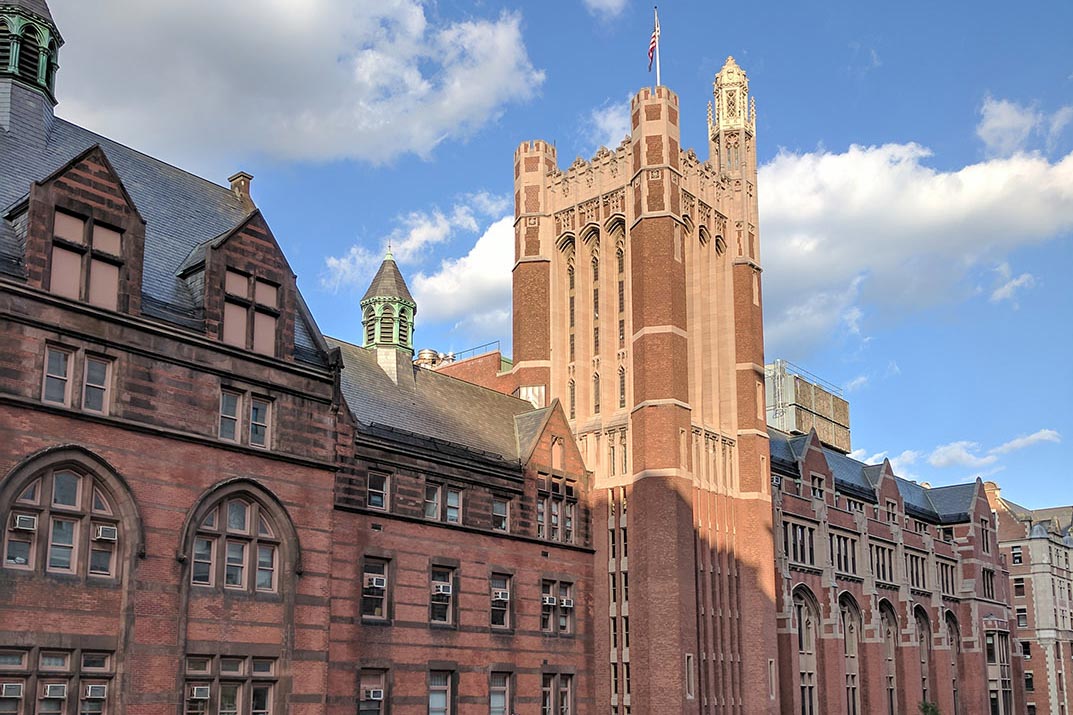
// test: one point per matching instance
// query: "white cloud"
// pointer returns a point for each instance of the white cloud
(856, 383)
(473, 290)
(411, 240)
(313, 80)
(1009, 284)
(1043, 435)
(959, 454)
(606, 8)
(875, 231)
(1007, 127)
(608, 124)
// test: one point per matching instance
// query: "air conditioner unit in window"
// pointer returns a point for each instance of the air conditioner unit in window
(550, 601)
(567, 603)
(441, 589)
(376, 581)
(776, 481)
(199, 692)
(105, 533)
(11, 690)
(374, 694)
(500, 595)
(57, 691)
(24, 522)
(96, 692)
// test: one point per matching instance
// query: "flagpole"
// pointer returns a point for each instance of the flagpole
(655, 12)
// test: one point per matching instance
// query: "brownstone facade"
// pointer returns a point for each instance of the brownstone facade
(1036, 544)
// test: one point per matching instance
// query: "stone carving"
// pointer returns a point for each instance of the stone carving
(614, 202)
(590, 210)
(564, 221)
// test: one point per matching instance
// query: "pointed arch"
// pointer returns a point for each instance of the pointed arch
(566, 243)
(688, 225)
(924, 651)
(704, 235)
(852, 628)
(806, 620)
(590, 236)
(5, 45)
(404, 327)
(71, 494)
(888, 626)
(30, 54)
(953, 641)
(369, 320)
(387, 324)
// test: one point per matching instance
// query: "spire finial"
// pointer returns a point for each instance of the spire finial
(389, 256)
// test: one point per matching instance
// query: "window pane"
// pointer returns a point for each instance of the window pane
(266, 294)
(93, 399)
(266, 563)
(29, 494)
(107, 240)
(18, 552)
(236, 559)
(202, 560)
(103, 284)
(237, 284)
(229, 698)
(264, 333)
(261, 699)
(56, 371)
(235, 324)
(65, 489)
(66, 277)
(69, 228)
(96, 372)
(100, 561)
(237, 513)
(258, 422)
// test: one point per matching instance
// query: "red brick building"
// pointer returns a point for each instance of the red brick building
(207, 506)
(1037, 545)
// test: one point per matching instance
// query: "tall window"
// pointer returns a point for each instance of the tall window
(251, 312)
(245, 418)
(557, 607)
(851, 636)
(63, 522)
(237, 547)
(499, 583)
(87, 258)
(369, 321)
(556, 509)
(595, 306)
(806, 617)
(889, 632)
(571, 280)
(440, 696)
(57, 382)
(620, 260)
(441, 600)
(924, 649)
(230, 685)
(375, 590)
(621, 387)
(373, 693)
(953, 639)
(596, 393)
(376, 496)
(557, 694)
(571, 389)
(499, 694)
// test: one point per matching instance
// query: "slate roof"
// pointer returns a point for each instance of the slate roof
(1061, 516)
(184, 213)
(37, 7)
(486, 424)
(388, 283)
(942, 505)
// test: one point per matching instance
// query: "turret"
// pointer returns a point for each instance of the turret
(29, 51)
(387, 319)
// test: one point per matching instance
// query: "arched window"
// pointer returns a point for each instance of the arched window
(64, 521)
(596, 393)
(29, 55)
(851, 637)
(923, 624)
(387, 325)
(5, 46)
(571, 388)
(404, 327)
(806, 621)
(571, 280)
(621, 387)
(237, 546)
(369, 319)
(953, 640)
(53, 64)
(889, 634)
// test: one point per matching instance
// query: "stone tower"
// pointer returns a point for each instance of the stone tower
(637, 303)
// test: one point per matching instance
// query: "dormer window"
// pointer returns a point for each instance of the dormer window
(86, 261)
(251, 313)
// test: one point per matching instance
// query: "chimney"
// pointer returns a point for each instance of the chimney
(240, 187)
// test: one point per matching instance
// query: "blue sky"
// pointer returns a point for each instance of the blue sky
(916, 178)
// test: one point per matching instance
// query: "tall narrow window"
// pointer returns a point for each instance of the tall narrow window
(500, 600)
(404, 328)
(441, 608)
(453, 502)
(499, 694)
(260, 411)
(621, 387)
(889, 632)
(377, 493)
(375, 589)
(57, 385)
(571, 298)
(596, 393)
(95, 388)
(571, 389)
(372, 684)
(806, 617)
(439, 693)
(432, 501)
(369, 319)
(387, 324)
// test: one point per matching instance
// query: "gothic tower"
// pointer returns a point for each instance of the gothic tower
(387, 320)
(637, 303)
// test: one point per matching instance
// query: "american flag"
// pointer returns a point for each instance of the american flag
(652, 43)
